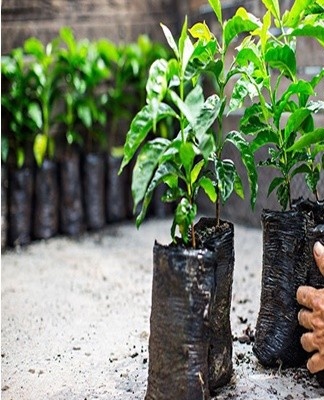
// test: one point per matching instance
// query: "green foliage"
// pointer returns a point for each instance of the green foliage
(82, 69)
(174, 90)
(16, 100)
(283, 118)
(43, 91)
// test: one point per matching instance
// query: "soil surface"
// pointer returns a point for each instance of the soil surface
(75, 319)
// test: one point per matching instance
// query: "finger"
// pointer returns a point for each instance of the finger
(315, 363)
(307, 341)
(319, 256)
(305, 318)
(305, 296)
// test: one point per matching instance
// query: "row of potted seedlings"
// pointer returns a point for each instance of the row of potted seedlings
(190, 344)
(66, 107)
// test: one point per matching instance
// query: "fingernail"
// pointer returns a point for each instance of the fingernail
(318, 249)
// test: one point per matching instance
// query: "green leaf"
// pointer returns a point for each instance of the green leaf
(35, 113)
(248, 160)
(238, 187)
(145, 166)
(156, 85)
(217, 7)
(295, 121)
(196, 171)
(141, 125)
(312, 179)
(225, 178)
(184, 216)
(308, 139)
(201, 31)
(207, 116)
(282, 58)
(296, 12)
(273, 7)
(278, 180)
(20, 157)
(35, 47)
(314, 31)
(236, 25)
(39, 148)
(187, 156)
(84, 113)
(264, 137)
(164, 171)
(169, 37)
(209, 188)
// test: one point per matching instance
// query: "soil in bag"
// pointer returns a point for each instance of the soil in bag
(221, 242)
(94, 190)
(116, 199)
(277, 338)
(46, 215)
(20, 206)
(183, 285)
(71, 207)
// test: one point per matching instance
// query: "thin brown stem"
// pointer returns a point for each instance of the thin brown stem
(193, 236)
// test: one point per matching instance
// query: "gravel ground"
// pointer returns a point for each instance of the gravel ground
(75, 319)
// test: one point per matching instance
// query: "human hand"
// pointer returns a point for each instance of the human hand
(312, 316)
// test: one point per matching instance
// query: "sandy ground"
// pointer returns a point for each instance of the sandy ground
(75, 319)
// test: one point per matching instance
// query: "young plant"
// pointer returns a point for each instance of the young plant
(83, 70)
(44, 94)
(173, 91)
(287, 103)
(15, 100)
(217, 58)
(182, 163)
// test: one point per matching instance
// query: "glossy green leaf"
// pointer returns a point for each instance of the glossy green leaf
(308, 139)
(141, 125)
(312, 179)
(225, 177)
(209, 188)
(162, 173)
(217, 7)
(273, 7)
(187, 156)
(316, 32)
(156, 85)
(282, 58)
(184, 216)
(39, 148)
(235, 26)
(170, 39)
(295, 121)
(145, 166)
(201, 31)
(196, 171)
(207, 115)
(248, 160)
(20, 157)
(35, 113)
(35, 47)
(296, 12)
(278, 180)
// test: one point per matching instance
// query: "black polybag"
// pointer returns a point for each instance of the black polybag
(94, 190)
(20, 206)
(46, 200)
(277, 335)
(71, 206)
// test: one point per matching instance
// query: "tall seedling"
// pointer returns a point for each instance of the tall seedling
(44, 93)
(174, 89)
(287, 103)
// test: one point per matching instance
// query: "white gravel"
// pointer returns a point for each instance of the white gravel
(75, 319)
